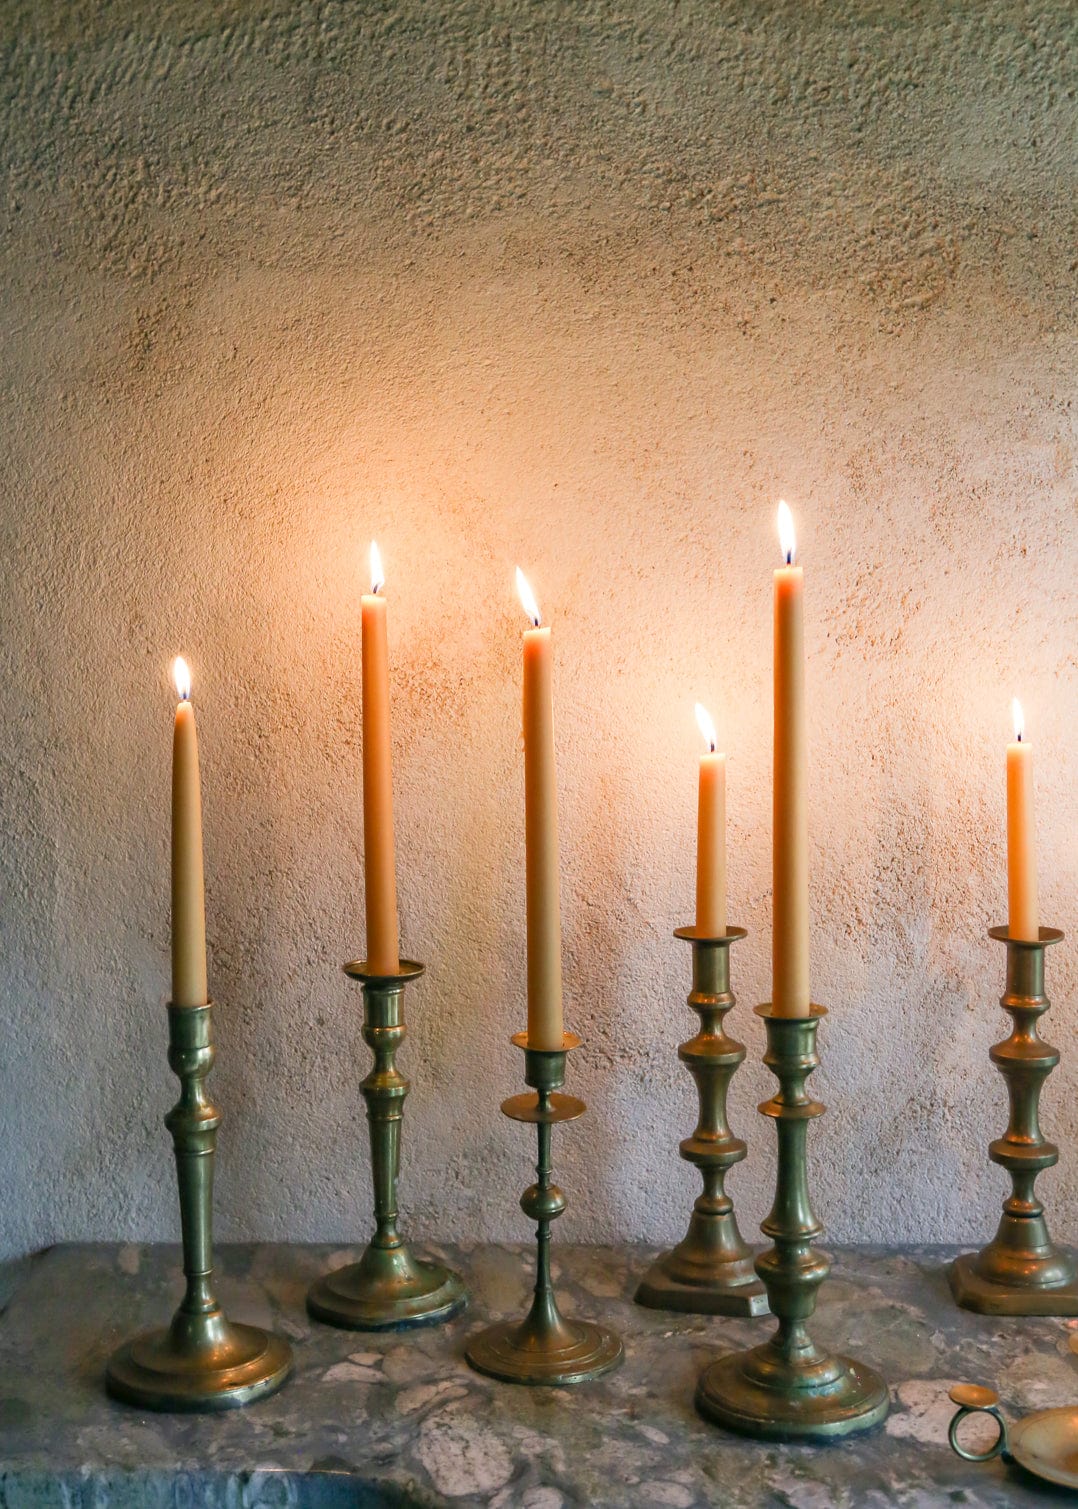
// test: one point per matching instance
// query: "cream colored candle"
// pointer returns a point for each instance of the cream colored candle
(1022, 918)
(541, 833)
(379, 860)
(188, 888)
(790, 920)
(710, 834)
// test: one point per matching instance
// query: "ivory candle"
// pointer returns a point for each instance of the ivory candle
(790, 921)
(545, 1028)
(188, 887)
(379, 861)
(710, 834)
(1022, 919)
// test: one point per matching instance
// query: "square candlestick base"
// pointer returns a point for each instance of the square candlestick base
(984, 1297)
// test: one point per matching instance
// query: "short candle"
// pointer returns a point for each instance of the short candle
(710, 834)
(1022, 912)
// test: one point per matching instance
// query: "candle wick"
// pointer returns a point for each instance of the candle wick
(789, 557)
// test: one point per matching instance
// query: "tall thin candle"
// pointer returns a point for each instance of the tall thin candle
(790, 921)
(189, 986)
(541, 833)
(379, 858)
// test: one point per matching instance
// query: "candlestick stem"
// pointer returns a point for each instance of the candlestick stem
(389, 1289)
(202, 1361)
(710, 1271)
(544, 1348)
(789, 1388)
(1021, 1271)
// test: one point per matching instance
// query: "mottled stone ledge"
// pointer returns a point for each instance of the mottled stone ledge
(400, 1419)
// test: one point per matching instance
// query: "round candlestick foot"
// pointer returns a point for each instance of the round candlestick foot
(843, 1397)
(387, 1290)
(514, 1353)
(233, 1366)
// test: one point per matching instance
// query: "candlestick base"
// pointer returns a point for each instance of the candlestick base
(789, 1389)
(388, 1289)
(709, 1272)
(544, 1348)
(1021, 1271)
(199, 1363)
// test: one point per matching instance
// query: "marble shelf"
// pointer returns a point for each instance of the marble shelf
(400, 1419)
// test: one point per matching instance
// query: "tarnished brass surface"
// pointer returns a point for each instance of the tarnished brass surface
(202, 1361)
(710, 1271)
(388, 1289)
(545, 1347)
(1021, 1271)
(788, 1388)
(1044, 1443)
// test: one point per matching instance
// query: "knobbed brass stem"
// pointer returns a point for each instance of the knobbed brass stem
(388, 1289)
(788, 1388)
(709, 1272)
(545, 1347)
(1021, 1271)
(203, 1361)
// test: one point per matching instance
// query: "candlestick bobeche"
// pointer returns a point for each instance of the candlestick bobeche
(389, 1289)
(709, 1272)
(201, 1361)
(1021, 1271)
(788, 1388)
(546, 1347)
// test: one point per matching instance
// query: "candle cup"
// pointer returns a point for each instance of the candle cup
(1021, 1271)
(788, 1389)
(202, 1361)
(388, 1289)
(544, 1348)
(710, 1272)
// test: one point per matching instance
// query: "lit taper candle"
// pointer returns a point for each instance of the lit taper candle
(545, 1028)
(188, 886)
(379, 859)
(790, 919)
(1022, 916)
(710, 834)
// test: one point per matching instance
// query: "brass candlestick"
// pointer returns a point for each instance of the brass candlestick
(544, 1347)
(1021, 1271)
(202, 1361)
(788, 1389)
(388, 1289)
(710, 1272)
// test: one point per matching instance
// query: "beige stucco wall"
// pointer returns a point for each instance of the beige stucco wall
(583, 286)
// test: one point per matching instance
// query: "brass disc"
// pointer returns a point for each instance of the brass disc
(856, 1400)
(498, 1353)
(152, 1372)
(347, 1298)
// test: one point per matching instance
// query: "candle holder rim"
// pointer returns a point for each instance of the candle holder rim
(767, 1010)
(1048, 936)
(526, 1107)
(408, 969)
(569, 1041)
(692, 934)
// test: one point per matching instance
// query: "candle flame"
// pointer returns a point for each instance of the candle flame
(1019, 719)
(378, 576)
(182, 677)
(707, 728)
(527, 598)
(787, 533)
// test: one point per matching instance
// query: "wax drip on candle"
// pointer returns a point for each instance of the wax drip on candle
(378, 576)
(787, 533)
(1019, 720)
(182, 677)
(706, 726)
(527, 599)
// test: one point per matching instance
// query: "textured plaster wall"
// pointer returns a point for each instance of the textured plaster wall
(584, 286)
